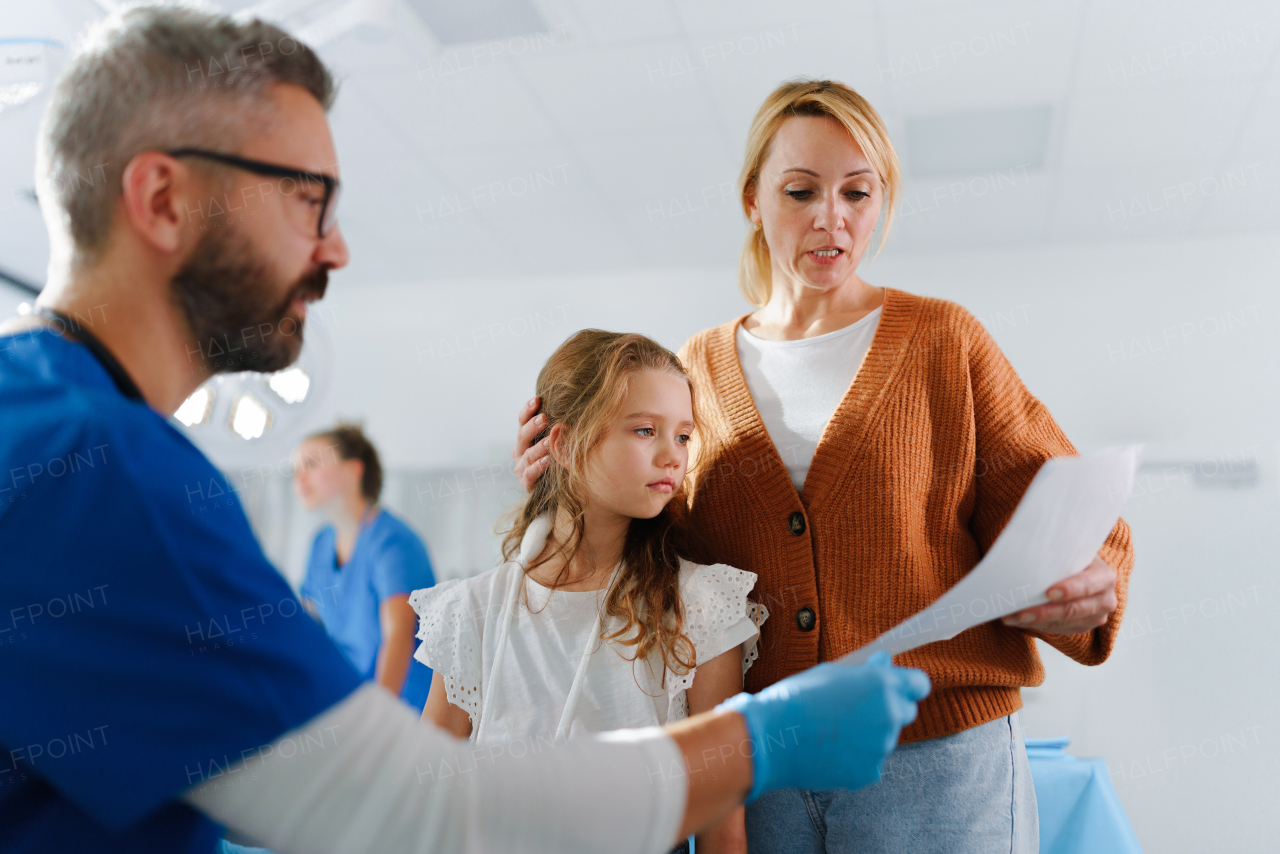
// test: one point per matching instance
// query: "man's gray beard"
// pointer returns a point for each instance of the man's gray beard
(223, 290)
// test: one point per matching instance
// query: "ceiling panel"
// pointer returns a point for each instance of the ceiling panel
(1260, 131)
(972, 58)
(614, 140)
(616, 90)
(993, 208)
(622, 23)
(1112, 202)
(1154, 128)
(1140, 44)
(481, 106)
(1242, 196)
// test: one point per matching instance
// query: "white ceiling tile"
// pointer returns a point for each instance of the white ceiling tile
(767, 19)
(1241, 197)
(843, 49)
(979, 57)
(479, 107)
(1154, 128)
(991, 208)
(517, 177)
(646, 170)
(1126, 200)
(1146, 43)
(620, 23)
(1261, 132)
(619, 90)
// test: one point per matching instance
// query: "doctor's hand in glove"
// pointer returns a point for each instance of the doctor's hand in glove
(829, 727)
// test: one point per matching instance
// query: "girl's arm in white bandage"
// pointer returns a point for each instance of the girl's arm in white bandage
(367, 776)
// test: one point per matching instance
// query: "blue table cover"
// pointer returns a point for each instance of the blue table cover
(1079, 809)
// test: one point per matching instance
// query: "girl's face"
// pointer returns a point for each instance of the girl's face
(320, 476)
(818, 199)
(642, 460)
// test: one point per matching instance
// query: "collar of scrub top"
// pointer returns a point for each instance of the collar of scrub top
(109, 363)
(535, 538)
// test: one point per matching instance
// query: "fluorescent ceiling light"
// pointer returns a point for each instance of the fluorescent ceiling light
(249, 418)
(981, 141)
(478, 20)
(195, 409)
(290, 384)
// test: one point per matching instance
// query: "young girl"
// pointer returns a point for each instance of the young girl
(595, 621)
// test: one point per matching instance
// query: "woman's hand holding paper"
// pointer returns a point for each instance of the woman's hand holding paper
(1078, 604)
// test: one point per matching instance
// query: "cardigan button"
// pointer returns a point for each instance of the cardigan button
(795, 523)
(806, 619)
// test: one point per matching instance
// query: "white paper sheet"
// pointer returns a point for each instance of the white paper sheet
(1062, 520)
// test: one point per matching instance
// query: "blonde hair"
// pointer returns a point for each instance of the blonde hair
(810, 98)
(583, 386)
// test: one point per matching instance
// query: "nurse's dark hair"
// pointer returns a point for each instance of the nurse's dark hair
(582, 386)
(157, 78)
(350, 443)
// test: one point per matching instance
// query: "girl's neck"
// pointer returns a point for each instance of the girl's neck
(604, 534)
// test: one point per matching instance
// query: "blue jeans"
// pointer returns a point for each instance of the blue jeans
(967, 793)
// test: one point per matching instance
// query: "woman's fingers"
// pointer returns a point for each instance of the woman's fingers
(533, 463)
(529, 427)
(526, 411)
(1081, 603)
(527, 433)
(1077, 615)
(1094, 578)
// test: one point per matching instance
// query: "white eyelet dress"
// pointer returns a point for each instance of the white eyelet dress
(529, 675)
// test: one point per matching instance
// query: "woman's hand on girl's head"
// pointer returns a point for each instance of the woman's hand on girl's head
(531, 458)
(1079, 604)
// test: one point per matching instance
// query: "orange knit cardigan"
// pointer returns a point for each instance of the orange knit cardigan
(916, 473)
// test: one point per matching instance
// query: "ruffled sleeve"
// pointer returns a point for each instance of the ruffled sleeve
(718, 617)
(450, 641)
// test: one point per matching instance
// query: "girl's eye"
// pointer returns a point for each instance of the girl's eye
(799, 195)
(857, 195)
(645, 431)
(684, 438)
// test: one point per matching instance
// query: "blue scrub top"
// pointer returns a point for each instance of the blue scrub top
(146, 643)
(389, 558)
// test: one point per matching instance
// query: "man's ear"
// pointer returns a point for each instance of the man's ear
(161, 198)
(559, 433)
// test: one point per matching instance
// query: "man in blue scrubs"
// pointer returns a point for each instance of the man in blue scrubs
(154, 668)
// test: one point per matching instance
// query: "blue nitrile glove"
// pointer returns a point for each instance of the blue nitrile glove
(831, 726)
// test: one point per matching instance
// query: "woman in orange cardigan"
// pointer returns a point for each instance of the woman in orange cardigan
(862, 449)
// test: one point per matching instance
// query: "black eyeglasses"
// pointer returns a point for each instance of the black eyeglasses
(327, 207)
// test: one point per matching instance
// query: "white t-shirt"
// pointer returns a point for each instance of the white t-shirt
(461, 623)
(797, 385)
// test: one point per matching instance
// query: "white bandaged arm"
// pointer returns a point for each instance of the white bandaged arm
(366, 775)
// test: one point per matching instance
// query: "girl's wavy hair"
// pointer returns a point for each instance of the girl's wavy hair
(582, 386)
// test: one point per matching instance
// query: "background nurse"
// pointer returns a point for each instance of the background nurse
(364, 564)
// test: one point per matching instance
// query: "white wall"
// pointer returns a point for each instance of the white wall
(11, 298)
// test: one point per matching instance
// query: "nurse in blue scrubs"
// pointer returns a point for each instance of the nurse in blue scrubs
(364, 564)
